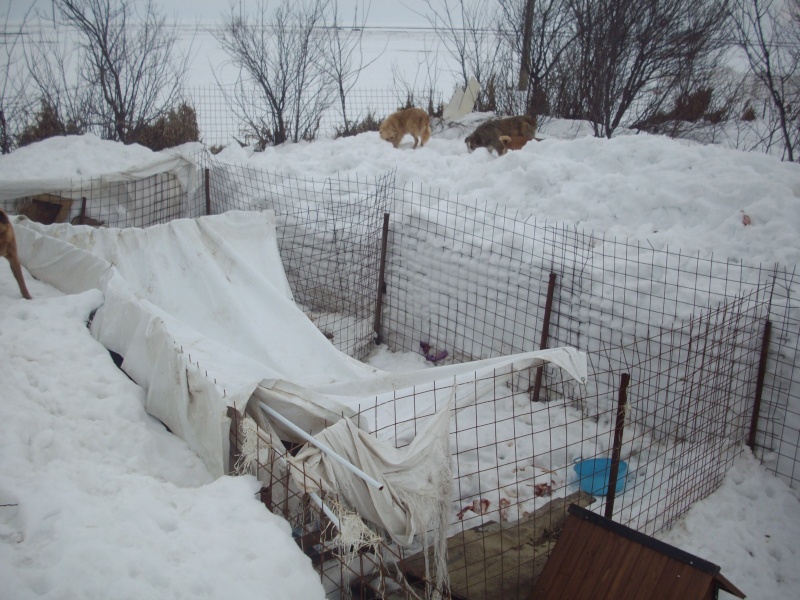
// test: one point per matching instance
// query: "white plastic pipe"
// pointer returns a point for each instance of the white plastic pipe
(328, 512)
(312, 440)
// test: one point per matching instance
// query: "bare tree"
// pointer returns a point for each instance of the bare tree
(632, 54)
(469, 33)
(769, 37)
(343, 57)
(65, 101)
(14, 79)
(539, 33)
(280, 59)
(129, 68)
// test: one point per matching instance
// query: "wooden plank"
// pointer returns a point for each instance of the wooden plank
(45, 208)
(501, 560)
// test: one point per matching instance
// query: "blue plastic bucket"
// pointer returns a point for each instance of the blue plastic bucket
(593, 474)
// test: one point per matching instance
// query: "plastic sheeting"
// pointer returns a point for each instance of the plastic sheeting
(202, 313)
(200, 309)
(170, 163)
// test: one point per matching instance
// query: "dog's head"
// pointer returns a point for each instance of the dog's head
(484, 139)
(388, 131)
(473, 141)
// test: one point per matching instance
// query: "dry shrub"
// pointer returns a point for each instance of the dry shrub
(689, 108)
(177, 127)
(487, 98)
(427, 104)
(368, 123)
(692, 107)
(435, 111)
(47, 123)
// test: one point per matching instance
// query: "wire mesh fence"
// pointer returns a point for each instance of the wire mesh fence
(130, 202)
(687, 330)
(220, 121)
(328, 237)
(345, 570)
(696, 347)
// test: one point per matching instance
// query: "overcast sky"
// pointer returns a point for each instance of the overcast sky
(381, 12)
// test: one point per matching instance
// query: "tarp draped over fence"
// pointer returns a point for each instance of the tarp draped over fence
(155, 190)
(202, 313)
(173, 163)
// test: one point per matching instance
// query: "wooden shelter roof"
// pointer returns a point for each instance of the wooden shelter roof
(599, 559)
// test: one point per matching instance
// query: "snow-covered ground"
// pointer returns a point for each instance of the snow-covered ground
(98, 500)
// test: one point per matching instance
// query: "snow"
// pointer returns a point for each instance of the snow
(671, 193)
(72, 157)
(99, 500)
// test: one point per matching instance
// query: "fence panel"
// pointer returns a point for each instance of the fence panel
(329, 235)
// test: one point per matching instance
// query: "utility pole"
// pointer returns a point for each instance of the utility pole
(525, 59)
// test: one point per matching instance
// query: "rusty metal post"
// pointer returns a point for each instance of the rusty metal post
(83, 211)
(381, 281)
(619, 428)
(208, 190)
(762, 370)
(548, 309)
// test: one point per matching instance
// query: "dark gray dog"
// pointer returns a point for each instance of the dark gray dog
(487, 135)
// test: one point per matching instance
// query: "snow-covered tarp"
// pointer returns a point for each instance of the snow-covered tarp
(113, 188)
(202, 313)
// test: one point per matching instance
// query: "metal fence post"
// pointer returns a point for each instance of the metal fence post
(548, 309)
(619, 428)
(381, 281)
(762, 369)
(208, 190)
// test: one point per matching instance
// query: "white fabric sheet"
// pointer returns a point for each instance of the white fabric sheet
(202, 313)
(200, 310)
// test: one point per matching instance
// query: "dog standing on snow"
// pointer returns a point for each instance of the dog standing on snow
(408, 120)
(488, 135)
(8, 248)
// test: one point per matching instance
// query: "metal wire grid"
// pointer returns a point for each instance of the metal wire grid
(465, 280)
(343, 572)
(690, 408)
(509, 456)
(132, 203)
(777, 440)
(220, 123)
(329, 241)
(609, 294)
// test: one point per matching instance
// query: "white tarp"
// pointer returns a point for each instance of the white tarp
(175, 164)
(200, 309)
(202, 313)
(115, 197)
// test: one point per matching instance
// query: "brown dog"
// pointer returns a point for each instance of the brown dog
(487, 135)
(408, 120)
(8, 248)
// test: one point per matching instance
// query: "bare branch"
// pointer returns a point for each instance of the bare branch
(282, 68)
(769, 37)
(129, 59)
